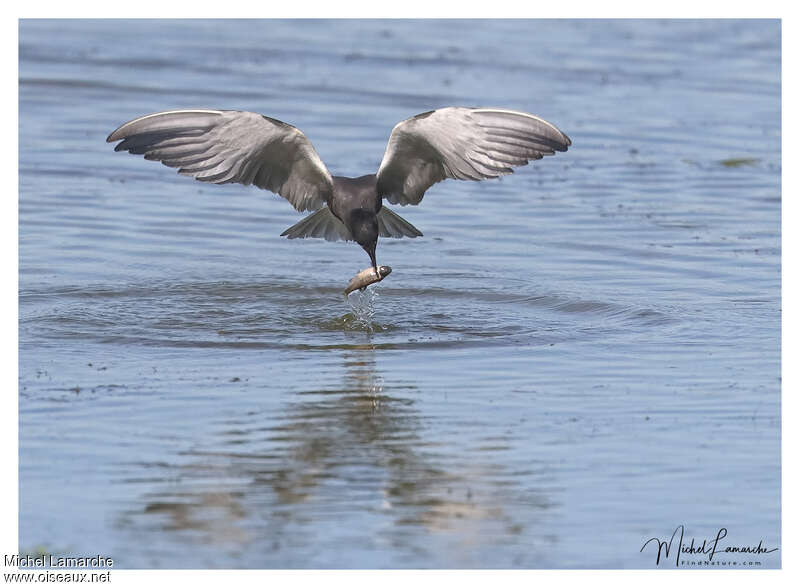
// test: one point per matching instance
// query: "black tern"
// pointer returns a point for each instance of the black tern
(224, 146)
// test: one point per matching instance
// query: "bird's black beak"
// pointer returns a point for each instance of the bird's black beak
(371, 251)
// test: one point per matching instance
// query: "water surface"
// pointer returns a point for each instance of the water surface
(572, 360)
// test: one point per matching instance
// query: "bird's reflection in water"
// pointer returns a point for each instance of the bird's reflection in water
(349, 463)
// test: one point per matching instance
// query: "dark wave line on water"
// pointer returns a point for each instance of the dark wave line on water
(290, 315)
(56, 83)
(287, 289)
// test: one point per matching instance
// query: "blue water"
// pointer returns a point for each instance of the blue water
(572, 360)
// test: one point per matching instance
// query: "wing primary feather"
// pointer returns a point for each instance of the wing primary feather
(204, 164)
(314, 222)
(529, 138)
(391, 224)
(213, 177)
(461, 143)
(160, 152)
(322, 224)
(501, 158)
(225, 146)
(490, 169)
(518, 146)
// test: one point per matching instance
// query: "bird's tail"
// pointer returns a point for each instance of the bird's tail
(391, 224)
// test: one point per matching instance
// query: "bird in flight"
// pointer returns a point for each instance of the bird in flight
(225, 146)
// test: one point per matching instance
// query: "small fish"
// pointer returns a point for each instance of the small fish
(366, 277)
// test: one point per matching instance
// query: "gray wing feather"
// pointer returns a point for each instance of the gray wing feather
(391, 224)
(322, 224)
(463, 144)
(223, 146)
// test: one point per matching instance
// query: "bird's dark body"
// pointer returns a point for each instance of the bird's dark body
(223, 146)
(349, 193)
(356, 203)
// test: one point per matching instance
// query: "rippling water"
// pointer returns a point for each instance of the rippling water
(573, 359)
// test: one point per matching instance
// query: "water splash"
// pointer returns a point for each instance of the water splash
(362, 305)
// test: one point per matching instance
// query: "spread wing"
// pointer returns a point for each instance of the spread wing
(223, 146)
(464, 144)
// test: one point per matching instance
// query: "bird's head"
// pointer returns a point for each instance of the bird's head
(364, 227)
